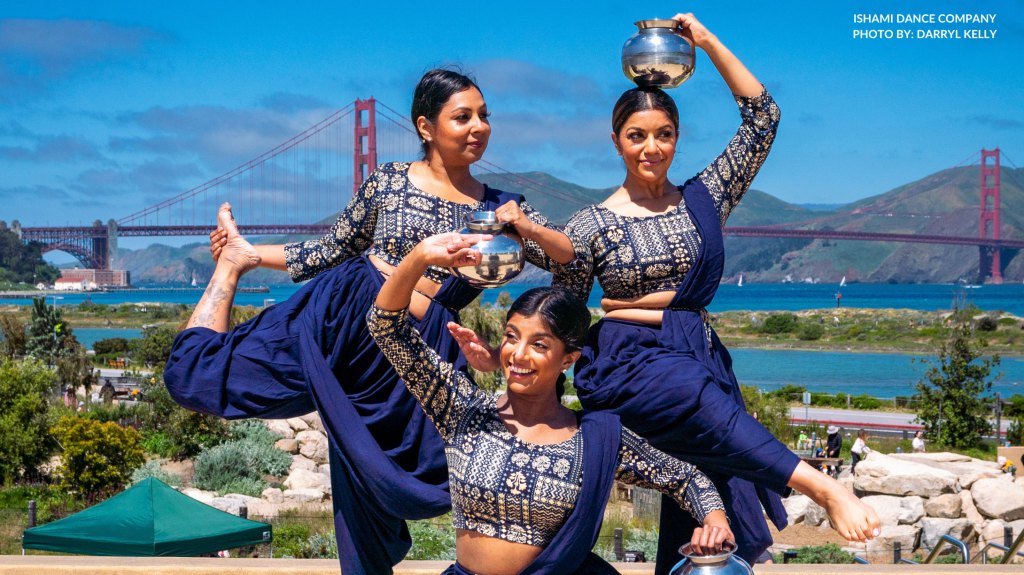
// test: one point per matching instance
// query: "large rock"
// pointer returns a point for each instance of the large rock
(301, 462)
(815, 514)
(313, 445)
(967, 469)
(324, 468)
(303, 495)
(933, 528)
(288, 445)
(199, 495)
(303, 479)
(947, 505)
(313, 421)
(229, 505)
(999, 499)
(881, 474)
(273, 495)
(297, 424)
(796, 507)
(894, 511)
(280, 428)
(970, 511)
(906, 535)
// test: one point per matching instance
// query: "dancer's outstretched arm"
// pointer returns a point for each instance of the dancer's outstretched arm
(450, 250)
(236, 257)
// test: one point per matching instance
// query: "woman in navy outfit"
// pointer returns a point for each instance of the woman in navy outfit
(313, 351)
(654, 360)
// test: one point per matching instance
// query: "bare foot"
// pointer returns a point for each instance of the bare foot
(852, 518)
(237, 252)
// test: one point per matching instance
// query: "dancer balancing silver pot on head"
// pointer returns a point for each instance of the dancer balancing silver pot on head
(529, 477)
(313, 352)
(653, 359)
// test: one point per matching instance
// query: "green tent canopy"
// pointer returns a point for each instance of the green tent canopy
(148, 519)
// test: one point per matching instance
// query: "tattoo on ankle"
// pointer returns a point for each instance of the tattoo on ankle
(214, 296)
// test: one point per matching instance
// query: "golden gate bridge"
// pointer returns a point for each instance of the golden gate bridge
(295, 183)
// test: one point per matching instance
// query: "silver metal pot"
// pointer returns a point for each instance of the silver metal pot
(501, 258)
(658, 55)
(723, 563)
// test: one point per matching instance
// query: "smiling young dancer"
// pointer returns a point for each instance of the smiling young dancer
(529, 477)
(654, 359)
(313, 351)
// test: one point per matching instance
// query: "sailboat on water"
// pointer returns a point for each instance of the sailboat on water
(194, 284)
(842, 282)
(740, 282)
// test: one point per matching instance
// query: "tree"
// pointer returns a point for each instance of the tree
(20, 262)
(489, 323)
(98, 458)
(13, 344)
(25, 441)
(49, 337)
(950, 397)
(772, 411)
(156, 345)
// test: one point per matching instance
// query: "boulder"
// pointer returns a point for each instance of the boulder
(313, 421)
(885, 475)
(303, 495)
(280, 428)
(970, 512)
(245, 499)
(911, 509)
(905, 535)
(815, 514)
(297, 424)
(325, 469)
(199, 495)
(313, 445)
(967, 469)
(300, 462)
(289, 445)
(303, 479)
(999, 499)
(894, 511)
(947, 505)
(796, 507)
(933, 528)
(272, 495)
(228, 505)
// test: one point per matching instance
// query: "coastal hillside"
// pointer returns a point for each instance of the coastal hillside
(945, 203)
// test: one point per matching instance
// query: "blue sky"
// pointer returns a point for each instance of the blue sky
(107, 107)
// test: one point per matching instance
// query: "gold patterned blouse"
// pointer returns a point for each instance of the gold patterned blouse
(636, 256)
(387, 217)
(500, 485)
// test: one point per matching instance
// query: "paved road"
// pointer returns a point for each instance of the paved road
(853, 417)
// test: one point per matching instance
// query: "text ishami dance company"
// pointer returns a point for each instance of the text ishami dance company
(946, 26)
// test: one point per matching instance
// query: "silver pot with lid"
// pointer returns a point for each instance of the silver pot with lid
(658, 55)
(721, 563)
(501, 257)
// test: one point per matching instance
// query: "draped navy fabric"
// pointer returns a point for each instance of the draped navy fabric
(674, 385)
(313, 351)
(569, 552)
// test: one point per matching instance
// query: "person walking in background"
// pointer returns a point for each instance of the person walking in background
(918, 442)
(860, 449)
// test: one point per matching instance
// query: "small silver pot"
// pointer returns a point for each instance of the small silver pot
(723, 563)
(501, 258)
(658, 55)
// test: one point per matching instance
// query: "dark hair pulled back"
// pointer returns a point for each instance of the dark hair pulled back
(641, 100)
(434, 90)
(563, 312)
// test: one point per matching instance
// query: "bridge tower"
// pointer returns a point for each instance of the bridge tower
(988, 217)
(365, 148)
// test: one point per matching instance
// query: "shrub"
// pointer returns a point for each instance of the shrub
(432, 539)
(98, 458)
(25, 441)
(110, 345)
(1015, 433)
(239, 464)
(987, 323)
(253, 430)
(779, 323)
(811, 331)
(157, 443)
(818, 554)
(866, 402)
(152, 469)
(772, 410)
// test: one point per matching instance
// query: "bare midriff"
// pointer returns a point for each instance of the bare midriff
(646, 309)
(425, 288)
(479, 554)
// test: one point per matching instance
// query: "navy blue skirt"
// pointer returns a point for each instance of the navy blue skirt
(684, 399)
(313, 352)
